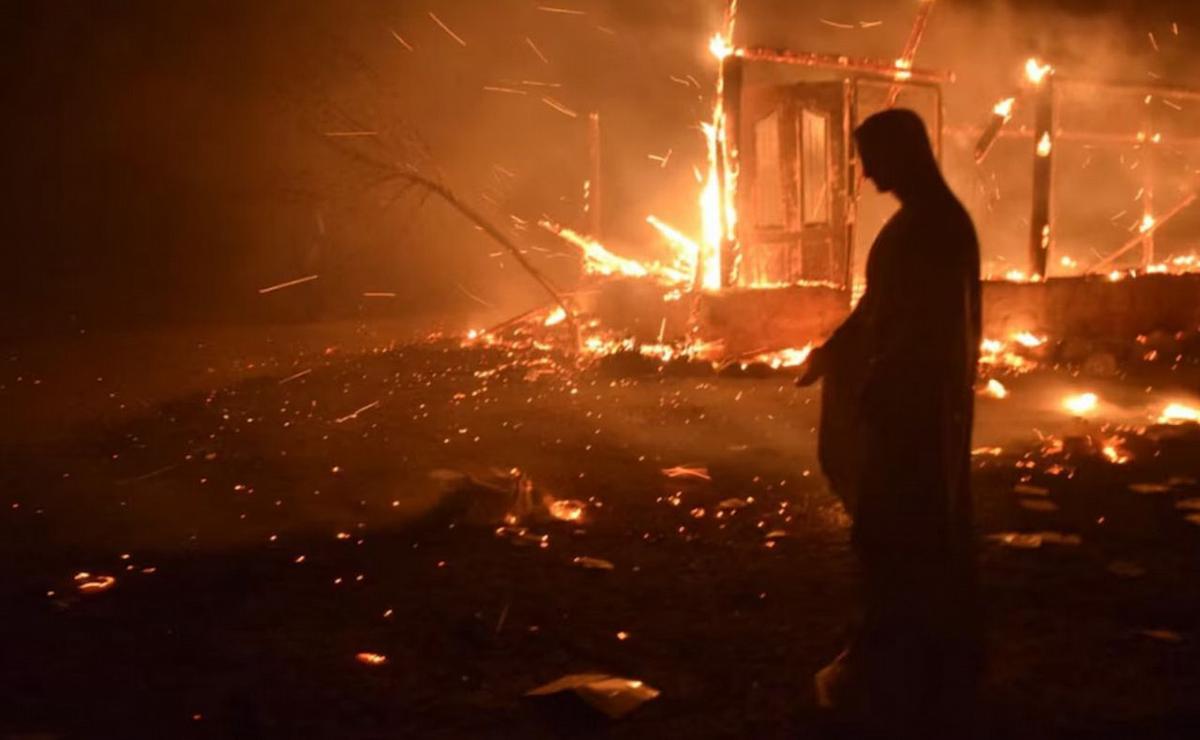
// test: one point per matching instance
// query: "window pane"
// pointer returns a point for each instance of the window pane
(815, 153)
(768, 190)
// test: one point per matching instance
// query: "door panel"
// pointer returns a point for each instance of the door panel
(793, 185)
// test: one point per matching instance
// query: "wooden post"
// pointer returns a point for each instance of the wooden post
(1040, 224)
(731, 104)
(593, 205)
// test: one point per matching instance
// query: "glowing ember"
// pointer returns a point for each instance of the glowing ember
(790, 357)
(993, 352)
(567, 510)
(1035, 71)
(1028, 339)
(86, 583)
(1004, 108)
(371, 658)
(1114, 451)
(720, 46)
(1081, 404)
(1178, 413)
(684, 471)
(1044, 145)
(903, 69)
(1148, 222)
(995, 389)
(557, 316)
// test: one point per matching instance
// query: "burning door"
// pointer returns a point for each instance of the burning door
(794, 171)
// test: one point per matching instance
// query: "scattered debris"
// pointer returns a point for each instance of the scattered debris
(371, 658)
(1149, 488)
(590, 563)
(1034, 540)
(567, 510)
(89, 584)
(686, 471)
(522, 536)
(613, 696)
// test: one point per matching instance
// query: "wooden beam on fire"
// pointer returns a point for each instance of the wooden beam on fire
(1140, 238)
(1040, 226)
(909, 54)
(818, 60)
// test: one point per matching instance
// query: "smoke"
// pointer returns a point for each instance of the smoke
(173, 158)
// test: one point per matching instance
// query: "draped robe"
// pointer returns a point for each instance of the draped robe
(895, 441)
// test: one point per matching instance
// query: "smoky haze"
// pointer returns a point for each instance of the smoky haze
(166, 161)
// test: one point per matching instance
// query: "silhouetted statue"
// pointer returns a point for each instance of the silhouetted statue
(895, 443)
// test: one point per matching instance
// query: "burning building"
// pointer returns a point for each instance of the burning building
(784, 223)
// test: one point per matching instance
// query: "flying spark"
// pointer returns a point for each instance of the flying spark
(288, 284)
(446, 28)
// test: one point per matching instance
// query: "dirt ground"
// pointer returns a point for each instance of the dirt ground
(269, 506)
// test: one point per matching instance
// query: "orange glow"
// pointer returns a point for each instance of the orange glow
(567, 510)
(1114, 451)
(89, 584)
(685, 471)
(371, 658)
(1178, 413)
(1004, 108)
(1081, 404)
(557, 316)
(1035, 71)
(599, 261)
(790, 357)
(995, 389)
(686, 251)
(1044, 145)
(1028, 339)
(720, 46)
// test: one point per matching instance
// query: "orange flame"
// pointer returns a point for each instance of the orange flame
(1081, 404)
(1004, 108)
(1178, 413)
(1035, 71)
(1044, 145)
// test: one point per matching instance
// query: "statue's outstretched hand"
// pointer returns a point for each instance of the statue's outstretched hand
(813, 368)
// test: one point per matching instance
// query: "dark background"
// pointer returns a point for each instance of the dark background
(164, 161)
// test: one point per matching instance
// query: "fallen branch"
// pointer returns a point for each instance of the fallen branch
(390, 171)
